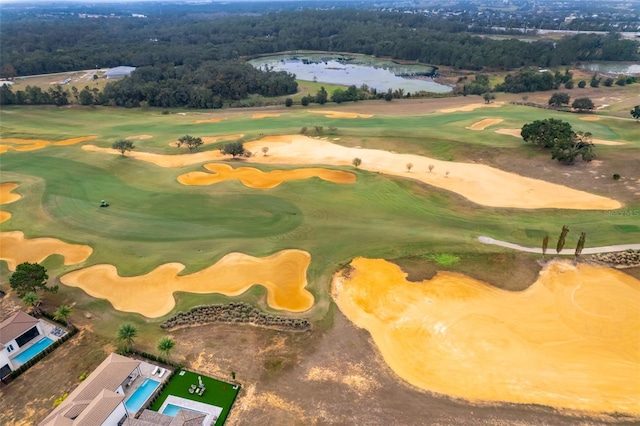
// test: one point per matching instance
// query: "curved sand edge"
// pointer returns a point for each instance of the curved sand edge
(210, 120)
(15, 249)
(471, 107)
(478, 183)
(206, 140)
(340, 114)
(34, 144)
(6, 196)
(571, 341)
(596, 141)
(283, 274)
(4, 216)
(590, 118)
(255, 178)
(139, 137)
(264, 115)
(483, 124)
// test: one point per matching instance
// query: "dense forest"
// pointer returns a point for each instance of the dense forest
(46, 45)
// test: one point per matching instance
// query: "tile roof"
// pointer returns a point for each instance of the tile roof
(15, 325)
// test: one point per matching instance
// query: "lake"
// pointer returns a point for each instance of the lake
(354, 70)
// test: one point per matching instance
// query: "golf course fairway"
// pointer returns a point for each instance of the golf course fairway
(283, 274)
(569, 340)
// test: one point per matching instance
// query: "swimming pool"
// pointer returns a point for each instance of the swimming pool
(141, 395)
(172, 410)
(32, 351)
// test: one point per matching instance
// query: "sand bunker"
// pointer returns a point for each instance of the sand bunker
(206, 140)
(15, 249)
(138, 137)
(15, 144)
(339, 114)
(6, 197)
(282, 274)
(210, 120)
(570, 340)
(481, 184)
(471, 107)
(259, 116)
(483, 124)
(254, 178)
(590, 118)
(4, 216)
(596, 141)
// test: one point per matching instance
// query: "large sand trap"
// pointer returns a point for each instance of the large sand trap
(255, 178)
(265, 115)
(210, 120)
(339, 114)
(570, 340)
(483, 124)
(590, 118)
(139, 137)
(481, 184)
(206, 140)
(283, 275)
(471, 107)
(15, 249)
(15, 144)
(6, 197)
(596, 141)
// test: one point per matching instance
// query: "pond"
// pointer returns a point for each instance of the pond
(355, 70)
(626, 68)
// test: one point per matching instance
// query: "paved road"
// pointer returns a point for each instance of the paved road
(590, 250)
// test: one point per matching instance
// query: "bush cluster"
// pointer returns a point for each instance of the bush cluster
(628, 258)
(237, 312)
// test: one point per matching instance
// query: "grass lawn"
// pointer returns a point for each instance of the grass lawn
(220, 394)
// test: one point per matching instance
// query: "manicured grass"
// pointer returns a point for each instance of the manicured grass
(220, 394)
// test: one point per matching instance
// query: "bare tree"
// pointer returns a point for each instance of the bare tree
(265, 149)
(431, 166)
(446, 174)
(409, 167)
(356, 162)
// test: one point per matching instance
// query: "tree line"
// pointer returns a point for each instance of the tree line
(42, 45)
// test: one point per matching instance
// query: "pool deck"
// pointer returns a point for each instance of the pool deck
(146, 370)
(212, 412)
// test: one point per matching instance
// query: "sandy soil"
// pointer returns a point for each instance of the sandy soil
(483, 124)
(264, 115)
(15, 249)
(206, 140)
(138, 137)
(33, 144)
(590, 118)
(283, 275)
(471, 107)
(596, 141)
(4, 216)
(210, 120)
(254, 178)
(570, 340)
(6, 197)
(340, 114)
(481, 184)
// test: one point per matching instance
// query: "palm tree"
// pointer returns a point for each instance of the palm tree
(126, 334)
(32, 300)
(165, 345)
(62, 314)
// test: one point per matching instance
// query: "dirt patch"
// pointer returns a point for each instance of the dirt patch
(341, 114)
(16, 249)
(471, 107)
(596, 141)
(481, 184)
(139, 137)
(16, 144)
(255, 178)
(264, 115)
(461, 337)
(590, 118)
(210, 120)
(161, 160)
(282, 274)
(483, 124)
(206, 140)
(6, 197)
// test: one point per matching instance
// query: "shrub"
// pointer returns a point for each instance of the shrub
(616, 176)
(288, 102)
(582, 84)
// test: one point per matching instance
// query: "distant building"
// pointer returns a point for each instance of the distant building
(119, 72)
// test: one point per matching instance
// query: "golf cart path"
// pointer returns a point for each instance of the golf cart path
(591, 250)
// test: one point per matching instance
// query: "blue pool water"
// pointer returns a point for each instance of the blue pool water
(141, 395)
(34, 350)
(172, 410)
